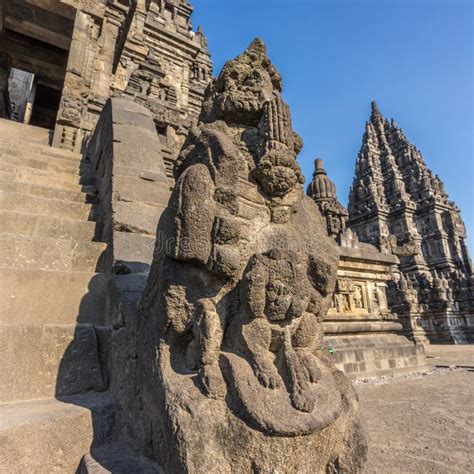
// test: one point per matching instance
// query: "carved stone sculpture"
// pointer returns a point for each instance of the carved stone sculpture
(235, 376)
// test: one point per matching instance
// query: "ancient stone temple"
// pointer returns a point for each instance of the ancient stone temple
(362, 330)
(171, 299)
(399, 205)
(80, 52)
(231, 342)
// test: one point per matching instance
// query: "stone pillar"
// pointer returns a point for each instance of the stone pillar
(87, 80)
(76, 84)
(29, 103)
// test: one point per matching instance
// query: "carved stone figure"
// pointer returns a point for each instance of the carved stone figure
(231, 340)
(358, 297)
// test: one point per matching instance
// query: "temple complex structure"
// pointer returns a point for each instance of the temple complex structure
(81, 52)
(151, 213)
(399, 205)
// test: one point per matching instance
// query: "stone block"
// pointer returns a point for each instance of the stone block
(47, 361)
(136, 217)
(86, 255)
(48, 164)
(133, 251)
(10, 184)
(43, 253)
(373, 355)
(46, 181)
(22, 169)
(63, 228)
(25, 253)
(20, 202)
(51, 435)
(136, 189)
(51, 297)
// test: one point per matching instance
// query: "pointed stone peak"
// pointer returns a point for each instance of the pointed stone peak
(257, 46)
(375, 111)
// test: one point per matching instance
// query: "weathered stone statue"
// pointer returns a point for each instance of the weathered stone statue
(235, 376)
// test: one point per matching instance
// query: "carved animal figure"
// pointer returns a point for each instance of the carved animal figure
(243, 273)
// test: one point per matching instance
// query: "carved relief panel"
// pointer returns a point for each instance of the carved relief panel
(350, 297)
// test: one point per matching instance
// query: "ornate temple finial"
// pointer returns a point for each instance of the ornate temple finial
(375, 111)
(321, 187)
(319, 167)
(257, 46)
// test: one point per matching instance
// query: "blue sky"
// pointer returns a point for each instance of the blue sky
(414, 57)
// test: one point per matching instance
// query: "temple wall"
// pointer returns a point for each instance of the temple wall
(365, 338)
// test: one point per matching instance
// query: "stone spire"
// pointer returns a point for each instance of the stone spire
(397, 203)
(323, 192)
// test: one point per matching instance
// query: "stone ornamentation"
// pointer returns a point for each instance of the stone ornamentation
(389, 243)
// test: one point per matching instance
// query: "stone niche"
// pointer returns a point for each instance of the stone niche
(361, 289)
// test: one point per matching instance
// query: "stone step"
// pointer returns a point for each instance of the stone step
(47, 361)
(368, 356)
(23, 175)
(51, 436)
(19, 132)
(52, 297)
(46, 163)
(118, 459)
(43, 253)
(40, 150)
(35, 152)
(21, 202)
(33, 225)
(56, 175)
(9, 182)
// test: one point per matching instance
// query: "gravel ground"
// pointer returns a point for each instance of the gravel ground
(422, 423)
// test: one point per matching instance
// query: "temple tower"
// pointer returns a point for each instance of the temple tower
(398, 204)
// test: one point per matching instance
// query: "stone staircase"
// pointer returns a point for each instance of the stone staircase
(53, 399)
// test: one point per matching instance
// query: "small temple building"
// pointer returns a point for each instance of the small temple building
(367, 337)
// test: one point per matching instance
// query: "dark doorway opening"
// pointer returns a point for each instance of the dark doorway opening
(45, 106)
(35, 38)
